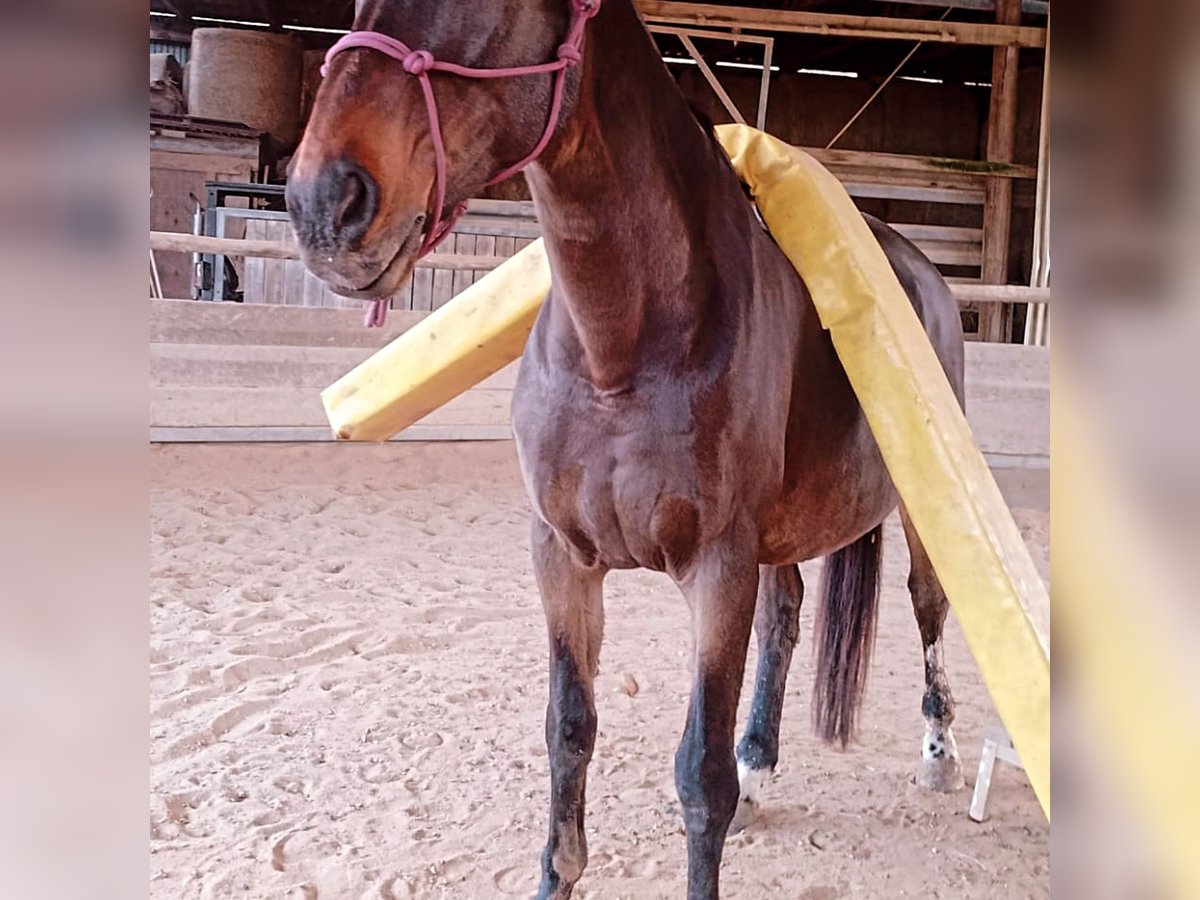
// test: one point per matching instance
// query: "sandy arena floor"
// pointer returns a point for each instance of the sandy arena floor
(347, 696)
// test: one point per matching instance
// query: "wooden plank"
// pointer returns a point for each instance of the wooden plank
(233, 168)
(901, 162)
(286, 434)
(999, 293)
(523, 209)
(193, 321)
(951, 254)
(498, 226)
(209, 406)
(287, 249)
(1031, 7)
(443, 286)
(182, 143)
(1008, 393)
(505, 246)
(711, 77)
(295, 278)
(196, 243)
(274, 272)
(254, 269)
(272, 292)
(485, 245)
(252, 365)
(997, 204)
(1005, 391)
(188, 321)
(463, 245)
(403, 298)
(1027, 472)
(313, 290)
(939, 233)
(422, 294)
(875, 191)
(908, 177)
(739, 17)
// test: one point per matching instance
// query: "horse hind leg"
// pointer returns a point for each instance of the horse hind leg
(777, 628)
(940, 768)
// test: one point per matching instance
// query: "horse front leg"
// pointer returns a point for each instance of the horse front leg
(777, 628)
(573, 603)
(720, 589)
(940, 768)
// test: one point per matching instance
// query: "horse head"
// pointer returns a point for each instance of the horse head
(424, 104)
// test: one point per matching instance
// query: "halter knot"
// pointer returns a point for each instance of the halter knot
(418, 62)
(569, 54)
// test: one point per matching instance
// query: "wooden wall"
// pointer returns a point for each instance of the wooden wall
(180, 163)
(226, 371)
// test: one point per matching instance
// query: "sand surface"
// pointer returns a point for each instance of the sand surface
(348, 679)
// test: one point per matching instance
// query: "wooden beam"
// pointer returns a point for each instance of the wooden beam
(243, 434)
(215, 406)
(940, 165)
(966, 33)
(1030, 7)
(200, 322)
(174, 35)
(1008, 397)
(997, 198)
(195, 243)
(711, 78)
(998, 293)
(246, 363)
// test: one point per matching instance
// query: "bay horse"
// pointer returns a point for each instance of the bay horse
(679, 407)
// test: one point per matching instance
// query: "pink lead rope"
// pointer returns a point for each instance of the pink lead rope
(420, 63)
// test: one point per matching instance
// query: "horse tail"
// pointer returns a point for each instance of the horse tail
(845, 633)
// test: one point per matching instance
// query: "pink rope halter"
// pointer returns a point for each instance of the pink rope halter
(420, 63)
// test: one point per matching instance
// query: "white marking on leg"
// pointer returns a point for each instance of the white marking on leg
(751, 782)
(940, 768)
(934, 747)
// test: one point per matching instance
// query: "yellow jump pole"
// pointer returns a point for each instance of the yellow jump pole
(976, 548)
(476, 334)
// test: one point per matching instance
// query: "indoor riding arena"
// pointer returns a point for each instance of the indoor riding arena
(350, 671)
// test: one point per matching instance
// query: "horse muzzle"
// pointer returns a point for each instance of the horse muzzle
(345, 238)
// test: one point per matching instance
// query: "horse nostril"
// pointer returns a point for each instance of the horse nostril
(357, 200)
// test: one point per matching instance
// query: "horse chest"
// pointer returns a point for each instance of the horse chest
(618, 487)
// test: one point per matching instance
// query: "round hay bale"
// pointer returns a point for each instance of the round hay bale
(251, 77)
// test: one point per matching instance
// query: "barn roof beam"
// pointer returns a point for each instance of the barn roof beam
(1028, 7)
(984, 34)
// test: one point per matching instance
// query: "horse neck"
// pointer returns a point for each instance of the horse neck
(635, 203)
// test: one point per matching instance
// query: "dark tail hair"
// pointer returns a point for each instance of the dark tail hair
(845, 633)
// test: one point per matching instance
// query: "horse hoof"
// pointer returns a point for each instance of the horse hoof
(942, 775)
(747, 812)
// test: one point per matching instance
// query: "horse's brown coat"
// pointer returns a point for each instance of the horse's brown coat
(679, 407)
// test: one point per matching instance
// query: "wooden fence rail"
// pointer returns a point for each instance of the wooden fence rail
(965, 292)
(196, 243)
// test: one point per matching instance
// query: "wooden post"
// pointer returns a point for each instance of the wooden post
(997, 200)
